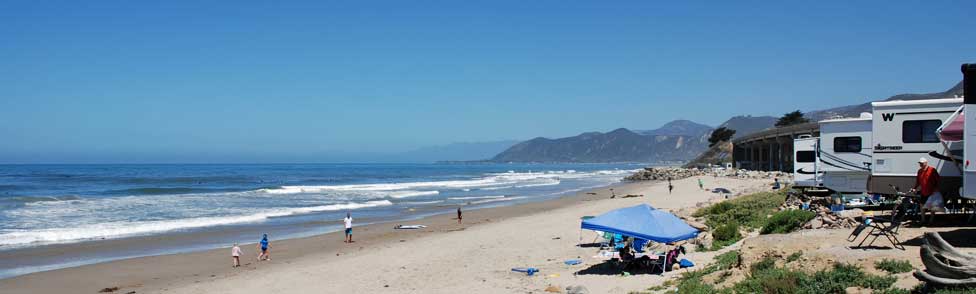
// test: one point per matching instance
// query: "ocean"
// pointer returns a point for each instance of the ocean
(48, 205)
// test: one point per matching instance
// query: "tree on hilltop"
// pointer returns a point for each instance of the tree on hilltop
(720, 135)
(792, 118)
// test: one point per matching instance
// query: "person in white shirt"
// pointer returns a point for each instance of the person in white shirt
(348, 223)
(236, 254)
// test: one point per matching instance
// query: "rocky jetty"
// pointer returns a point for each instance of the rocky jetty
(674, 173)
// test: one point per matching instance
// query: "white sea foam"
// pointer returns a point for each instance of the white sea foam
(489, 181)
(405, 194)
(496, 200)
(124, 229)
(475, 197)
(421, 202)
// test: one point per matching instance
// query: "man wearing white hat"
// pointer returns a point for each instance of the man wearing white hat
(927, 185)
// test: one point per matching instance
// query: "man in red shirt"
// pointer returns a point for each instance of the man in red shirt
(927, 185)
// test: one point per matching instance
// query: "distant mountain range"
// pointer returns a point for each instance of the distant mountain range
(678, 140)
(679, 127)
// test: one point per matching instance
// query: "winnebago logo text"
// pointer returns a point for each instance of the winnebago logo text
(887, 116)
(882, 147)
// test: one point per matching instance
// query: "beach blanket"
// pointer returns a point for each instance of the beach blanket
(409, 227)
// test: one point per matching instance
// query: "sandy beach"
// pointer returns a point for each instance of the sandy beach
(445, 257)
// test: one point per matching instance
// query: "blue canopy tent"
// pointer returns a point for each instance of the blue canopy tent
(643, 222)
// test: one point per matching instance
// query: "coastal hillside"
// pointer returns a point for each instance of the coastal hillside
(681, 127)
(719, 154)
(675, 141)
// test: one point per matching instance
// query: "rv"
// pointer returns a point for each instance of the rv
(805, 173)
(844, 156)
(969, 130)
(905, 131)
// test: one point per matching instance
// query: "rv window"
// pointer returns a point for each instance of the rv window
(847, 144)
(920, 131)
(806, 156)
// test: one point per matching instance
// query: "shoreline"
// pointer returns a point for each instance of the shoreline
(298, 247)
(445, 257)
(49, 257)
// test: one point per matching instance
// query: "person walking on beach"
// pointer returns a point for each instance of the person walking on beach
(701, 185)
(236, 254)
(459, 215)
(265, 248)
(670, 186)
(927, 186)
(348, 222)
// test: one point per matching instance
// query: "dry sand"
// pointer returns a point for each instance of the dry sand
(475, 257)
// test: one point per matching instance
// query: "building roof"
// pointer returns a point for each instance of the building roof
(804, 128)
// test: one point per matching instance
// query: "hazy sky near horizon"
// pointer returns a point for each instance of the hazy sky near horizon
(108, 81)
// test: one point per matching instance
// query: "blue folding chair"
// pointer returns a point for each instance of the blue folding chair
(639, 245)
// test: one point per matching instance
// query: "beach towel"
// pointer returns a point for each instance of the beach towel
(685, 263)
(409, 227)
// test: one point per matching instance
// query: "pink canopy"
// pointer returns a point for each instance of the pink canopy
(952, 130)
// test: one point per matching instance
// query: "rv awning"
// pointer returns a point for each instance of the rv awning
(951, 130)
(644, 222)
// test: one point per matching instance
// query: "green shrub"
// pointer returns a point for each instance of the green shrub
(786, 221)
(894, 291)
(893, 266)
(794, 257)
(725, 235)
(772, 280)
(749, 211)
(766, 277)
(765, 264)
(728, 260)
(842, 276)
(729, 231)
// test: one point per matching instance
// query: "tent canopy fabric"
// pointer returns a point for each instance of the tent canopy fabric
(951, 131)
(644, 222)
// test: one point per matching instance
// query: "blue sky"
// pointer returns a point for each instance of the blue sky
(110, 81)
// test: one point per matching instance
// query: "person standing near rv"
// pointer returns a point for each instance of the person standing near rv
(927, 185)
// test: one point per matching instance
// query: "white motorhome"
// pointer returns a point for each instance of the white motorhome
(845, 152)
(968, 114)
(905, 131)
(805, 172)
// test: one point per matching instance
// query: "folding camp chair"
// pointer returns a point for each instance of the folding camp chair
(639, 245)
(659, 263)
(880, 226)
